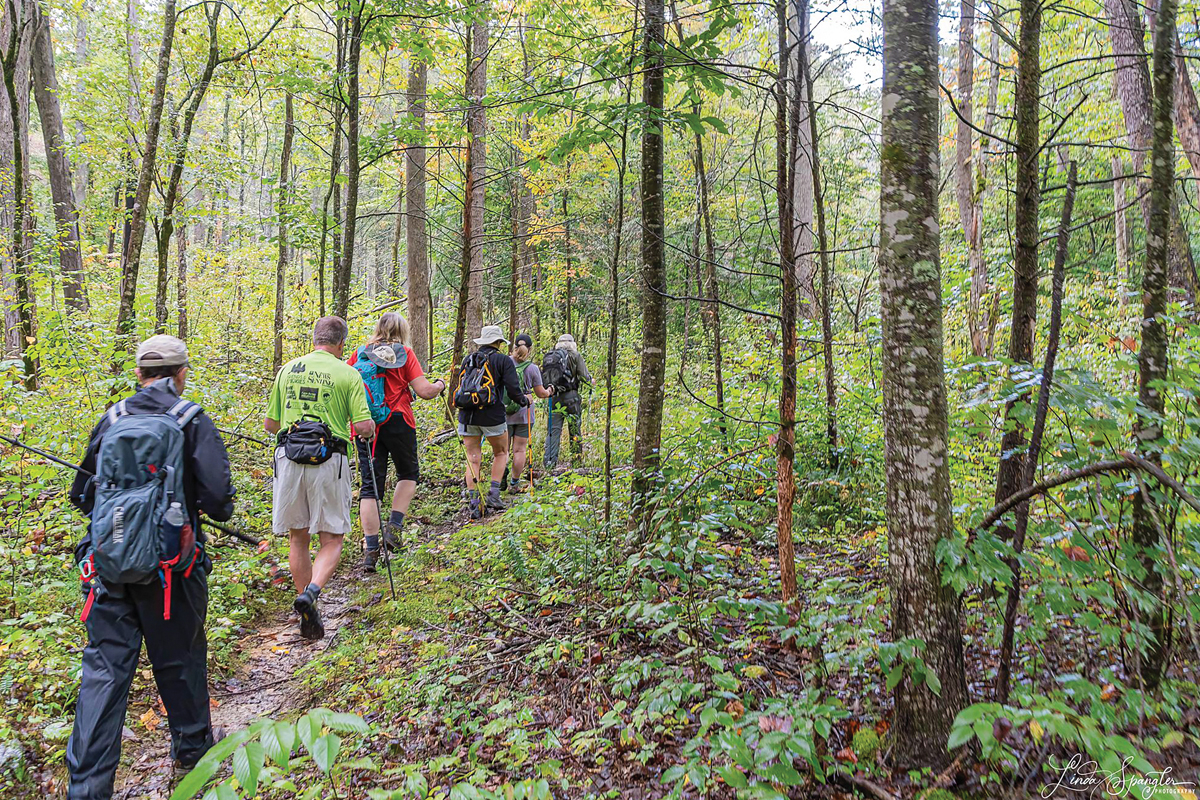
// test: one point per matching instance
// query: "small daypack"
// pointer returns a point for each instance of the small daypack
(510, 405)
(139, 475)
(310, 441)
(476, 385)
(374, 380)
(558, 372)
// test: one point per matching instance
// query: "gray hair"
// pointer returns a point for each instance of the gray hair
(330, 331)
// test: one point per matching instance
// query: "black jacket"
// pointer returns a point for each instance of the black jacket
(505, 373)
(207, 482)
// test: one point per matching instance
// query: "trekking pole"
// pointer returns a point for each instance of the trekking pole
(387, 561)
(235, 533)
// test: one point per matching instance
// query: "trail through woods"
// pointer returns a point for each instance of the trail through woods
(266, 683)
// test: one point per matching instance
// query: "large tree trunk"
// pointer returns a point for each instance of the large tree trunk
(20, 314)
(647, 437)
(133, 107)
(477, 130)
(802, 195)
(525, 201)
(1152, 357)
(131, 259)
(66, 218)
(181, 282)
(1187, 112)
(345, 266)
(1127, 36)
(1025, 258)
(281, 264)
(417, 245)
(916, 457)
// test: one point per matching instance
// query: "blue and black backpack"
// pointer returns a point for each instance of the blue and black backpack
(139, 476)
(374, 379)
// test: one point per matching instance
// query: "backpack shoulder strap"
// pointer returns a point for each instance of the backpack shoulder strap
(115, 412)
(184, 412)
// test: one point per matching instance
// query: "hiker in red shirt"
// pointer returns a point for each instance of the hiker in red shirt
(395, 434)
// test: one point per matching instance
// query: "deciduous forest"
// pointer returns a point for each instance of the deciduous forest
(889, 473)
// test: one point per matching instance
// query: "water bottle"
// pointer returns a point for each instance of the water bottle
(173, 523)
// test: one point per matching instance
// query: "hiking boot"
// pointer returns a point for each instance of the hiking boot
(179, 770)
(310, 618)
(518, 487)
(494, 503)
(473, 507)
(370, 559)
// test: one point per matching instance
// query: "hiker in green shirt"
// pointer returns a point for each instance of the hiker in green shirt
(315, 401)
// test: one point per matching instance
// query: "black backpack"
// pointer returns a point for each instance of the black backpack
(476, 385)
(557, 372)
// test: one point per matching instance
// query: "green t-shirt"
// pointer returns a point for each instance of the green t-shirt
(319, 385)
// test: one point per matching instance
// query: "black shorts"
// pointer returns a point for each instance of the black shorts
(518, 430)
(394, 438)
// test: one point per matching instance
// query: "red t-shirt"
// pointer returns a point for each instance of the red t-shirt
(395, 384)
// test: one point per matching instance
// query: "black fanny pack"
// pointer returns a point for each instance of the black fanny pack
(310, 441)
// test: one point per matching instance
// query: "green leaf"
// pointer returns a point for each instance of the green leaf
(278, 740)
(733, 777)
(933, 682)
(348, 723)
(324, 750)
(779, 772)
(959, 735)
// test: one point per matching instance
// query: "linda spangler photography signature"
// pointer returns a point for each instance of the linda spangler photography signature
(1081, 775)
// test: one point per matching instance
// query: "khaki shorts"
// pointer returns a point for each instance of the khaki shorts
(312, 496)
(486, 431)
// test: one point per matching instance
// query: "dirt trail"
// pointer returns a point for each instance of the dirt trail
(263, 686)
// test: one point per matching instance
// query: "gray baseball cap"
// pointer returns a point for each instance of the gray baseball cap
(162, 351)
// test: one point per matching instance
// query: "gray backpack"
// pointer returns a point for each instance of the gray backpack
(139, 475)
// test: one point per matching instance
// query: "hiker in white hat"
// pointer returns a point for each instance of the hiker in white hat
(487, 375)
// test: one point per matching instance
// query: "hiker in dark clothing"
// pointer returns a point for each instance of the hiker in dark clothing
(566, 376)
(170, 614)
(482, 413)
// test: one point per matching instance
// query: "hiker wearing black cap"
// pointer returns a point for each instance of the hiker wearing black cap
(154, 463)
(486, 376)
(389, 370)
(520, 420)
(565, 370)
(316, 401)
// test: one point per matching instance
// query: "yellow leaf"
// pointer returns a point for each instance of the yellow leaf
(149, 720)
(1036, 730)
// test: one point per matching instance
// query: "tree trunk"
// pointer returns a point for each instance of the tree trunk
(281, 264)
(802, 171)
(964, 158)
(1013, 600)
(345, 269)
(81, 163)
(1152, 357)
(131, 259)
(1187, 112)
(1127, 36)
(785, 169)
(1121, 227)
(1025, 258)
(133, 107)
(417, 245)
(477, 130)
(916, 457)
(831, 431)
(171, 197)
(20, 314)
(647, 437)
(45, 89)
(567, 251)
(181, 280)
(397, 274)
(979, 269)
(525, 200)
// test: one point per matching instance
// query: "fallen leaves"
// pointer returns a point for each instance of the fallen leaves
(150, 719)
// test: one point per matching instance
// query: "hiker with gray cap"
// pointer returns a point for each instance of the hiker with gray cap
(154, 463)
(564, 369)
(486, 376)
